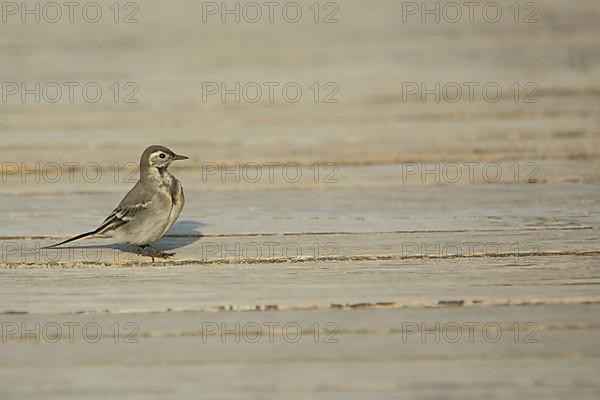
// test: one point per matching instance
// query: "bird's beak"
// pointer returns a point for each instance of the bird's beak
(179, 158)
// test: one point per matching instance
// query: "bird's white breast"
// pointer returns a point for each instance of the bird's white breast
(172, 185)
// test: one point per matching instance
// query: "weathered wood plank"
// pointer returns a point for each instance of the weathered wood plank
(291, 286)
(88, 176)
(376, 346)
(520, 246)
(349, 136)
(393, 209)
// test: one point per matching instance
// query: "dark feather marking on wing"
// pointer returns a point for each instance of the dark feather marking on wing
(121, 216)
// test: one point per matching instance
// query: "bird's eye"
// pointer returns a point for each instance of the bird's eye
(162, 155)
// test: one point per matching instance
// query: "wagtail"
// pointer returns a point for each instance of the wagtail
(149, 210)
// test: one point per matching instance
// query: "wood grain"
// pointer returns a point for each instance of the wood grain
(398, 220)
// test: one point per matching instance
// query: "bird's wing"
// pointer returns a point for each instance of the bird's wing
(137, 200)
(122, 215)
(119, 217)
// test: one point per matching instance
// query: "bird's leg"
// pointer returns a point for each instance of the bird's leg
(161, 254)
(142, 251)
(152, 252)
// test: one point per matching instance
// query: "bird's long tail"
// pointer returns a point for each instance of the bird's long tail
(83, 235)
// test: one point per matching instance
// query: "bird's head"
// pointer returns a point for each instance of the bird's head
(159, 157)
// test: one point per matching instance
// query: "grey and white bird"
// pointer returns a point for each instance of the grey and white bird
(149, 210)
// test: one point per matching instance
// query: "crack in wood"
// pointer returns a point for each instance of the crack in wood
(325, 233)
(289, 260)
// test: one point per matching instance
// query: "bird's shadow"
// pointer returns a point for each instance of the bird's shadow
(182, 234)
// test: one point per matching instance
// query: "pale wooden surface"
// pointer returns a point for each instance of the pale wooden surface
(369, 252)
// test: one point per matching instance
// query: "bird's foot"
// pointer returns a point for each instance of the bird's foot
(149, 251)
